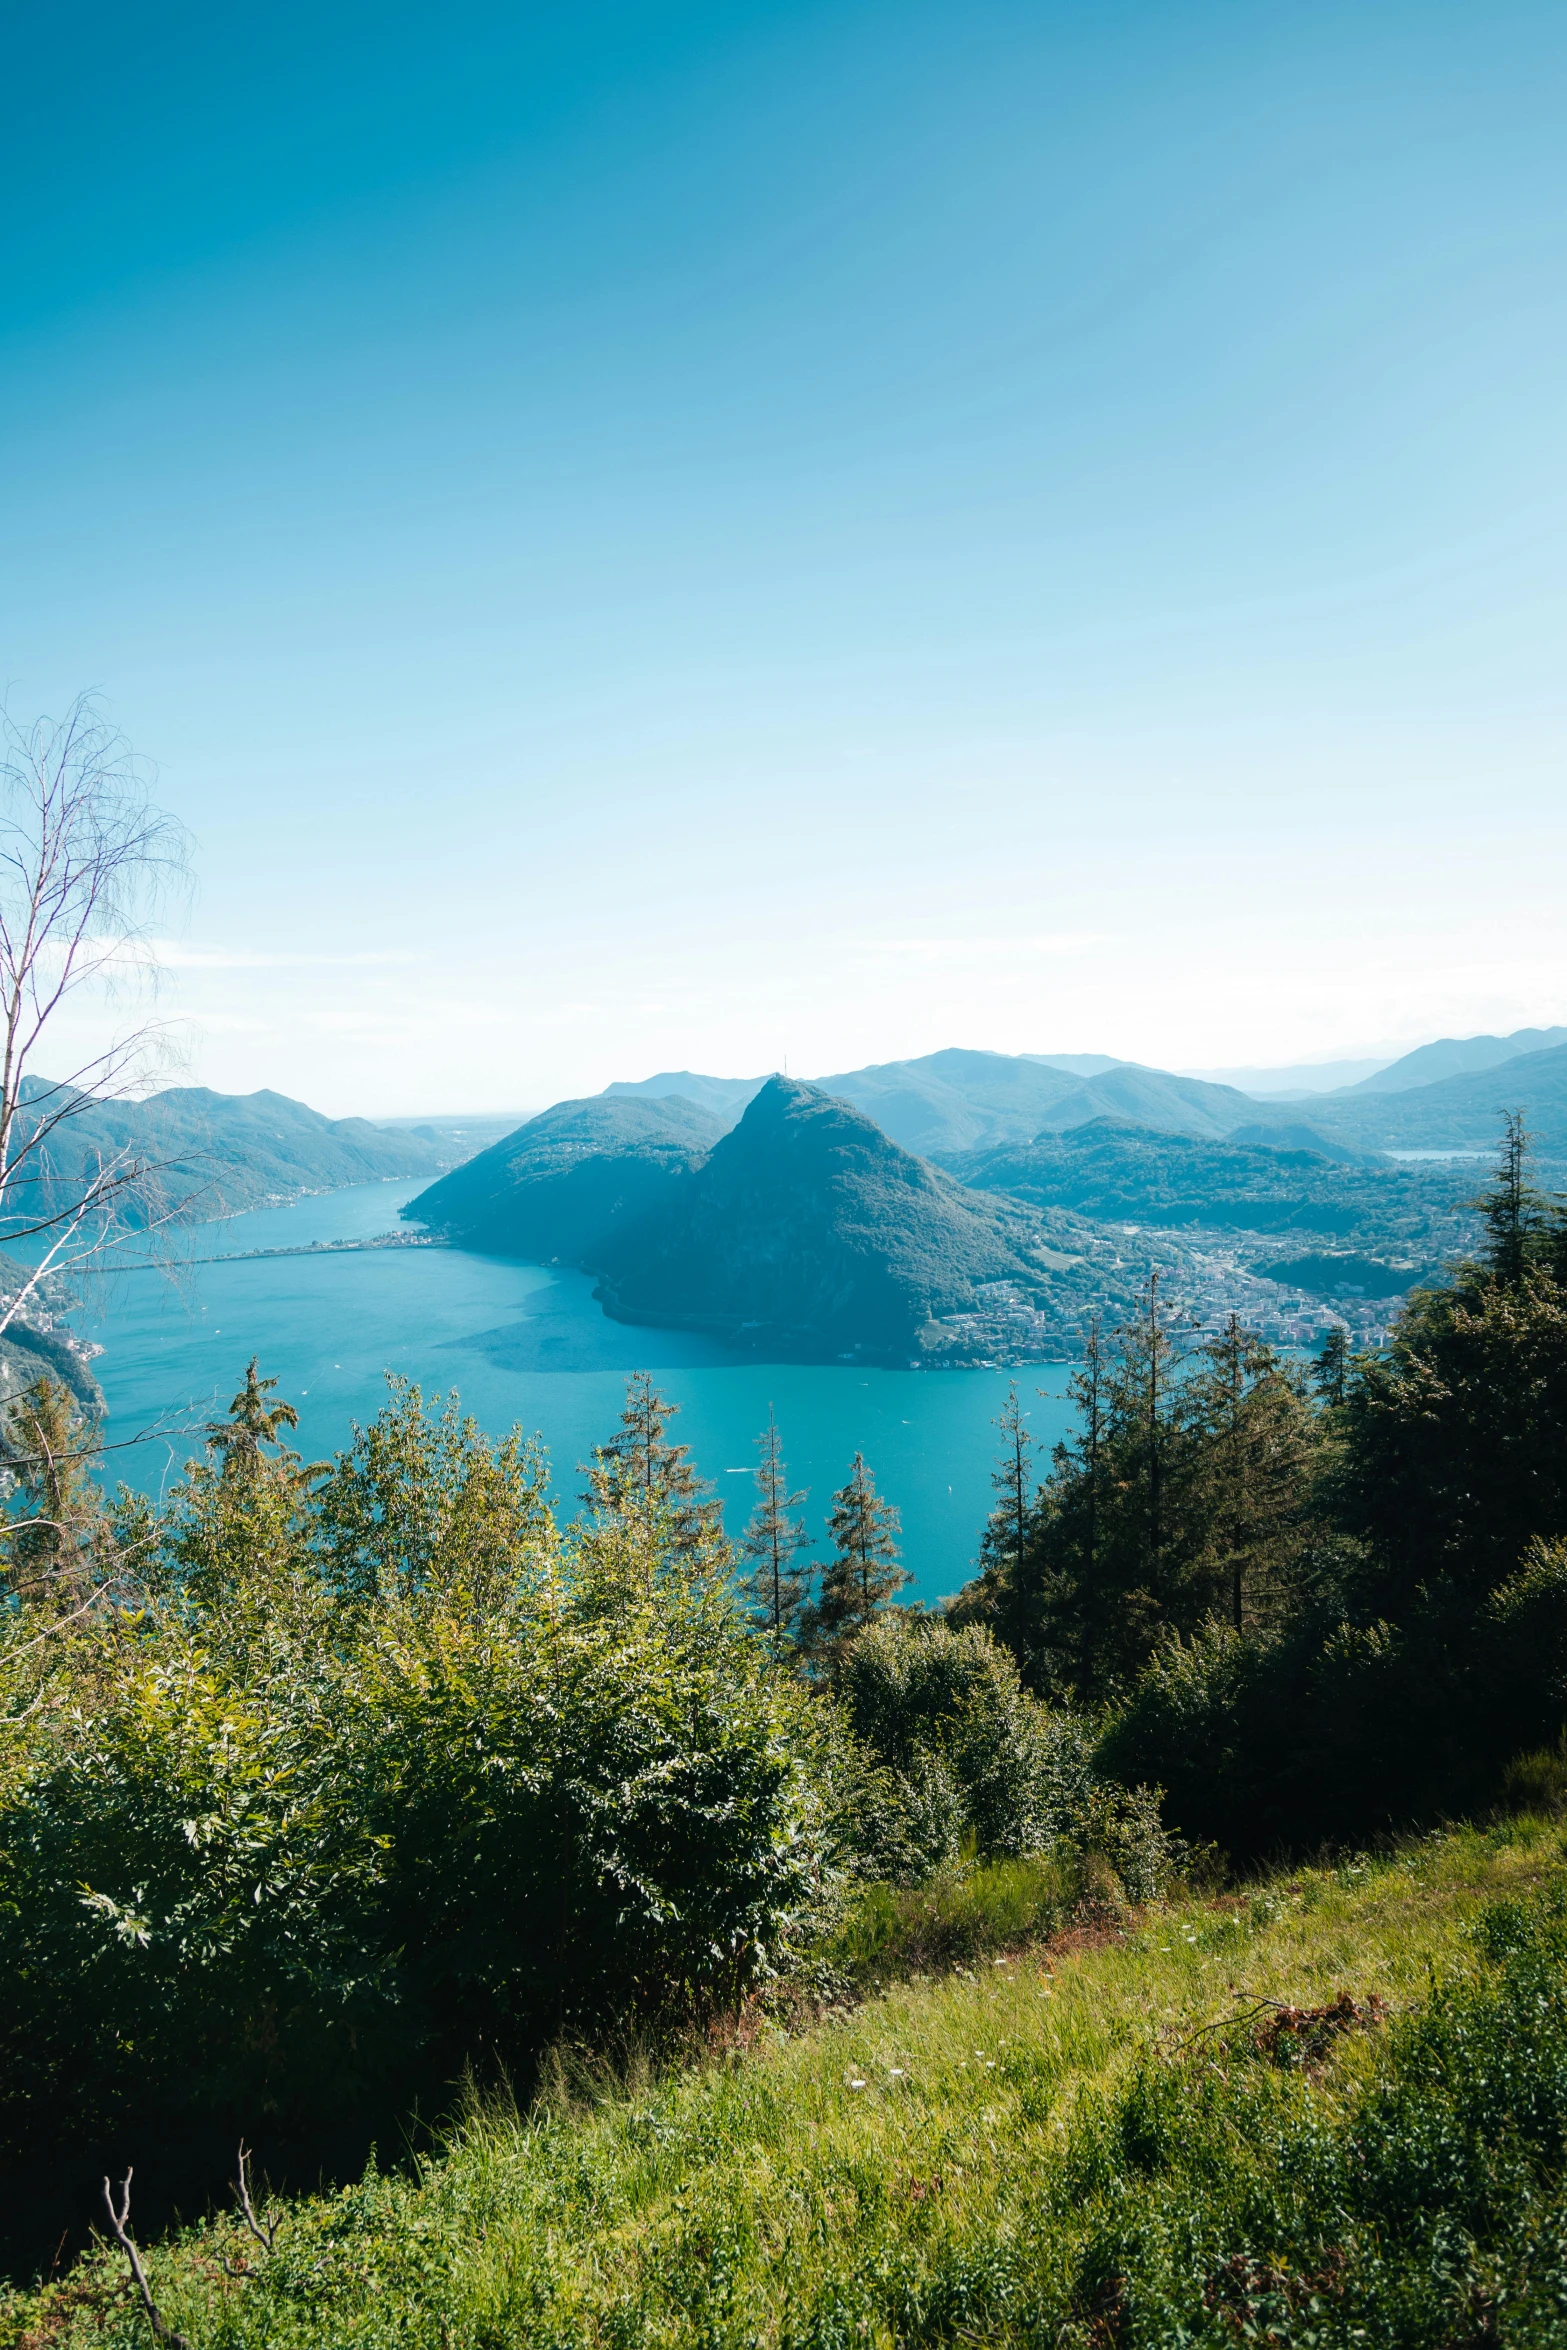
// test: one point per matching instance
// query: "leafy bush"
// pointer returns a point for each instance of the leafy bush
(966, 1761)
(292, 1843)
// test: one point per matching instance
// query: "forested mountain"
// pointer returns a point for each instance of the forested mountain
(1455, 1056)
(1456, 1113)
(213, 1154)
(560, 1185)
(1113, 1172)
(809, 1231)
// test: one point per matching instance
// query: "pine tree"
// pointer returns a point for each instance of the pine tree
(1512, 1210)
(639, 1473)
(1248, 1448)
(1330, 1372)
(242, 1441)
(1005, 1539)
(864, 1569)
(773, 1540)
(60, 1523)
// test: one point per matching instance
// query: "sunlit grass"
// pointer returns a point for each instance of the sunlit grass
(912, 2168)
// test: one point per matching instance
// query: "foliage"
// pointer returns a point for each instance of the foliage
(863, 1571)
(639, 1475)
(776, 1583)
(388, 1774)
(1096, 2142)
(1185, 1492)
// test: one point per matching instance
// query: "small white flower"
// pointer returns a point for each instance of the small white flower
(856, 2084)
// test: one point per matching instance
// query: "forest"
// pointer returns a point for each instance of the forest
(327, 1788)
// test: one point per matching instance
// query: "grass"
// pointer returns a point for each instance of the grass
(1086, 2144)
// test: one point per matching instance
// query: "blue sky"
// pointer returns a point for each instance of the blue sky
(659, 536)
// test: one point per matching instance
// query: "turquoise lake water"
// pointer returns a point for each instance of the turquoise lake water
(526, 1343)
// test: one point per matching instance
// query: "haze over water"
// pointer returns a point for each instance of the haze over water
(526, 1343)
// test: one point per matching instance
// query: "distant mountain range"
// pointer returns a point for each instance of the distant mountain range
(214, 1154)
(946, 1105)
(1456, 1113)
(1454, 1056)
(956, 1101)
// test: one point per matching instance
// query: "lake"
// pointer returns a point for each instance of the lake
(526, 1343)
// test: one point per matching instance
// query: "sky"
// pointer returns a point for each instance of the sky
(657, 536)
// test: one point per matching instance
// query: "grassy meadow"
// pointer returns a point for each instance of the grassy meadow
(1135, 2131)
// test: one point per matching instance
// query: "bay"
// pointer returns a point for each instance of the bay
(527, 1344)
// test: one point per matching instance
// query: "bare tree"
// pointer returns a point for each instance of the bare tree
(86, 861)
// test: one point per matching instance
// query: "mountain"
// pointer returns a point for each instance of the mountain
(1297, 1079)
(1078, 1064)
(808, 1232)
(1152, 1097)
(955, 1100)
(1462, 1113)
(1453, 1056)
(1300, 1137)
(560, 1185)
(217, 1153)
(725, 1097)
(1113, 1172)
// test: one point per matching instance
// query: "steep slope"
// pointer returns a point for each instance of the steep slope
(1457, 1113)
(561, 1184)
(1455, 1056)
(217, 1153)
(808, 1231)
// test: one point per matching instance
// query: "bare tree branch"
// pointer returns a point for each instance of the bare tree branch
(85, 861)
(120, 2222)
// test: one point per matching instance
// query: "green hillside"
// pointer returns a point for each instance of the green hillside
(1116, 1172)
(1456, 1113)
(214, 1154)
(558, 1187)
(1328, 2110)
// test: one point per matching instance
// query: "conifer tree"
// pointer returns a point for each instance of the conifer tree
(864, 1569)
(59, 1520)
(1330, 1372)
(244, 1440)
(638, 1472)
(1512, 1210)
(1248, 1448)
(1005, 1539)
(773, 1540)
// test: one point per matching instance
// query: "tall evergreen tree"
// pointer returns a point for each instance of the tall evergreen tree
(1330, 1372)
(250, 1434)
(638, 1472)
(864, 1569)
(1511, 1209)
(1249, 1445)
(1005, 1539)
(778, 1581)
(58, 1522)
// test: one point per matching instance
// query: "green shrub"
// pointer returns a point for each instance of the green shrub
(289, 1848)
